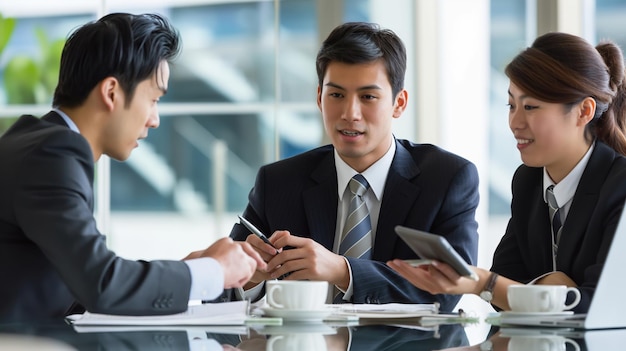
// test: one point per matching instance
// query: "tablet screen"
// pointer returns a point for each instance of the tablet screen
(434, 247)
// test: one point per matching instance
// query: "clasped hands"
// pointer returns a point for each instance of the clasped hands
(239, 260)
(300, 258)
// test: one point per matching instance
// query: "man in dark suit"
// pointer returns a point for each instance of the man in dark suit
(303, 201)
(52, 257)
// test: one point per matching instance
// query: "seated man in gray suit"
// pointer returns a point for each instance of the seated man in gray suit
(306, 202)
(52, 257)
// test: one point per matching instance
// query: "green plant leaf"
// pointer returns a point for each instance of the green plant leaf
(42, 39)
(7, 25)
(50, 66)
(21, 77)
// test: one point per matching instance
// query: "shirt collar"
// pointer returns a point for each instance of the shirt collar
(67, 120)
(565, 190)
(376, 174)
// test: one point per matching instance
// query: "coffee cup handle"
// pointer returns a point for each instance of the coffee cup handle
(576, 299)
(573, 343)
(270, 297)
(275, 338)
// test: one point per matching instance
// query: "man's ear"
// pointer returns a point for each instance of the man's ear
(109, 92)
(319, 97)
(400, 103)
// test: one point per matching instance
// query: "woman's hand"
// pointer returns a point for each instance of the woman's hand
(436, 278)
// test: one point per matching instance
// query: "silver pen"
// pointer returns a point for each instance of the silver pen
(256, 231)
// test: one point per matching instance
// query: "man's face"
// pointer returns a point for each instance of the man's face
(131, 122)
(358, 106)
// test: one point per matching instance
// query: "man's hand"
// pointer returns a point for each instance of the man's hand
(267, 252)
(307, 260)
(238, 260)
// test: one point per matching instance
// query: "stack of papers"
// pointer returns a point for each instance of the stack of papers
(226, 313)
(419, 316)
(388, 310)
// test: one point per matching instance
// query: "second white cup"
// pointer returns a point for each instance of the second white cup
(299, 342)
(541, 343)
(541, 298)
(304, 295)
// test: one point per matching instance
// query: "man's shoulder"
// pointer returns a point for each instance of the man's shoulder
(29, 124)
(30, 134)
(429, 153)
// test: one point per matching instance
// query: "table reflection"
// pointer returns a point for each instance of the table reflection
(314, 336)
(111, 340)
(371, 337)
(291, 337)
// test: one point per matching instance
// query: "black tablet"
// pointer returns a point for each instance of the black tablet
(434, 247)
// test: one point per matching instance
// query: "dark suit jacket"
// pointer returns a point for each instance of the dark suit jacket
(525, 253)
(427, 188)
(51, 252)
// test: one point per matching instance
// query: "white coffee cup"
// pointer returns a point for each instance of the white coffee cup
(298, 342)
(541, 298)
(541, 343)
(303, 295)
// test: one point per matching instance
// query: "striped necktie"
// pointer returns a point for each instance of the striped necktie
(356, 238)
(555, 221)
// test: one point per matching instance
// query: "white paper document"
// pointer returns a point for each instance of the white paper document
(414, 316)
(225, 313)
(388, 310)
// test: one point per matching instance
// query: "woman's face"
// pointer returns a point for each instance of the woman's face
(548, 134)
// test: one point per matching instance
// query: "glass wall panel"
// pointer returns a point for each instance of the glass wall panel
(508, 38)
(610, 15)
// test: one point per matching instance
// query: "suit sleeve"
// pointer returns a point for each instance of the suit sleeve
(55, 211)
(508, 259)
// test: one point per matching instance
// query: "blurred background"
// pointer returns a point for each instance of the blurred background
(242, 94)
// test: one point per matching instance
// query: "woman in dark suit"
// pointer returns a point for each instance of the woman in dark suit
(567, 114)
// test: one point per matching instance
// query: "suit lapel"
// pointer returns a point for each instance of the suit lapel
(585, 199)
(539, 230)
(320, 202)
(399, 195)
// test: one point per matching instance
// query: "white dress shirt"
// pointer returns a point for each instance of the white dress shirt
(565, 190)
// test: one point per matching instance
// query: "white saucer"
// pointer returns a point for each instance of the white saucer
(534, 314)
(298, 315)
